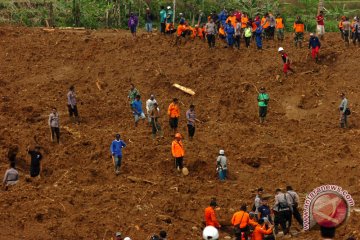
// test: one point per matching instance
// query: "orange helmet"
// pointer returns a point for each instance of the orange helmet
(177, 135)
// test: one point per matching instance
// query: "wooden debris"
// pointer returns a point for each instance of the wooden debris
(48, 29)
(137, 180)
(184, 89)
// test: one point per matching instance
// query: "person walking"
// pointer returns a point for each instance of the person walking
(116, 152)
(344, 111)
(54, 125)
(36, 157)
(162, 19)
(258, 35)
(72, 107)
(280, 27)
(174, 114)
(11, 176)
(264, 210)
(299, 29)
(133, 92)
(137, 110)
(149, 17)
(178, 152)
(263, 100)
(240, 222)
(320, 27)
(133, 23)
(282, 210)
(247, 34)
(221, 165)
(149, 106)
(230, 32)
(261, 230)
(210, 216)
(154, 116)
(191, 118)
(295, 204)
(210, 30)
(314, 44)
(286, 61)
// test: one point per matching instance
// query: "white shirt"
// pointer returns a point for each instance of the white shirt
(150, 104)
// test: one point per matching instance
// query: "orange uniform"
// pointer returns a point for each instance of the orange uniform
(221, 31)
(279, 23)
(177, 149)
(173, 110)
(181, 28)
(299, 27)
(258, 233)
(210, 218)
(244, 21)
(265, 24)
(232, 19)
(240, 218)
(253, 26)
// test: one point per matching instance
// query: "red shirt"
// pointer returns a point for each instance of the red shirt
(284, 56)
(320, 20)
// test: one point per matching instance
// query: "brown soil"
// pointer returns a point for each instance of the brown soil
(79, 196)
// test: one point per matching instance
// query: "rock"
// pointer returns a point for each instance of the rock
(194, 228)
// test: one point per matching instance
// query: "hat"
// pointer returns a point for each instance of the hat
(280, 49)
(311, 34)
(118, 234)
(221, 152)
(168, 7)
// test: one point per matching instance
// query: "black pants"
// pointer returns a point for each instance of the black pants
(55, 131)
(211, 40)
(179, 162)
(73, 111)
(174, 123)
(297, 215)
(356, 36)
(34, 171)
(155, 125)
(237, 41)
(239, 231)
(284, 219)
(162, 27)
(247, 41)
(191, 130)
(262, 111)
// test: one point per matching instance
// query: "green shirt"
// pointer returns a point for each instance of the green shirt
(132, 94)
(263, 99)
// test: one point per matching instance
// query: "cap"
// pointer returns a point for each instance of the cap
(280, 49)
(221, 152)
(118, 234)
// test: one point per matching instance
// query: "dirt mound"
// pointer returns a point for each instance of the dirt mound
(79, 197)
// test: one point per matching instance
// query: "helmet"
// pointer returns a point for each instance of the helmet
(178, 135)
(221, 152)
(311, 34)
(127, 238)
(180, 14)
(280, 49)
(210, 232)
(168, 7)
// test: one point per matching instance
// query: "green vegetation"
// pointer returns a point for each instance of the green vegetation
(114, 13)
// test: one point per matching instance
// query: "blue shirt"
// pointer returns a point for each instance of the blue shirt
(314, 42)
(230, 30)
(137, 107)
(116, 147)
(265, 212)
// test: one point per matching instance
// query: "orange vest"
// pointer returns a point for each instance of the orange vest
(352, 26)
(254, 26)
(267, 24)
(279, 23)
(173, 110)
(341, 24)
(181, 29)
(244, 21)
(232, 19)
(259, 233)
(221, 31)
(177, 149)
(299, 27)
(167, 28)
(240, 218)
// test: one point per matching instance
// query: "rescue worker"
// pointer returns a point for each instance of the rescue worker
(263, 99)
(320, 27)
(314, 44)
(264, 210)
(346, 26)
(286, 61)
(257, 201)
(162, 19)
(178, 152)
(35, 164)
(182, 31)
(244, 21)
(222, 17)
(343, 111)
(221, 165)
(299, 29)
(54, 124)
(258, 36)
(222, 34)
(210, 30)
(116, 152)
(260, 230)
(280, 27)
(232, 20)
(133, 23)
(295, 203)
(169, 15)
(340, 26)
(72, 105)
(169, 29)
(272, 25)
(282, 210)
(11, 176)
(174, 114)
(265, 23)
(240, 221)
(210, 217)
(230, 32)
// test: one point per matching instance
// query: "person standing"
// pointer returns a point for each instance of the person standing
(154, 116)
(137, 110)
(178, 152)
(295, 204)
(11, 176)
(149, 106)
(133, 92)
(263, 99)
(221, 165)
(210, 29)
(299, 29)
(133, 23)
(280, 27)
(346, 28)
(54, 125)
(356, 31)
(272, 25)
(257, 201)
(174, 114)
(344, 111)
(72, 107)
(191, 118)
(258, 35)
(248, 34)
(162, 19)
(282, 211)
(238, 32)
(36, 157)
(149, 17)
(230, 31)
(240, 221)
(169, 16)
(320, 27)
(116, 152)
(286, 61)
(314, 44)
(210, 217)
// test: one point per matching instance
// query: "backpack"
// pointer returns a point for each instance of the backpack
(283, 205)
(347, 111)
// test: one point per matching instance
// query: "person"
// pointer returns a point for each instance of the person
(118, 236)
(191, 118)
(169, 29)
(327, 233)
(272, 25)
(238, 33)
(356, 33)
(295, 203)
(174, 114)
(257, 201)
(265, 24)
(222, 34)
(341, 28)
(247, 35)
(178, 152)
(264, 210)
(263, 99)
(150, 105)
(137, 109)
(54, 125)
(286, 61)
(210, 217)
(282, 209)
(346, 28)
(154, 237)
(132, 23)
(314, 44)
(154, 116)
(162, 19)
(230, 31)
(221, 165)
(72, 107)
(343, 111)
(36, 157)
(181, 18)
(163, 235)
(240, 221)
(210, 233)
(169, 15)
(232, 19)
(182, 31)
(223, 15)
(258, 35)
(11, 176)
(133, 92)
(299, 29)
(260, 230)
(149, 17)
(320, 27)
(116, 151)
(280, 27)
(244, 21)
(210, 30)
